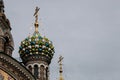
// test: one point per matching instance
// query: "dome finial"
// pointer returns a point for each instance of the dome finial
(60, 64)
(36, 19)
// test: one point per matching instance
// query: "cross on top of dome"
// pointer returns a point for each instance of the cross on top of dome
(36, 19)
(60, 63)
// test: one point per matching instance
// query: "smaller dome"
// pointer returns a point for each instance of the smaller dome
(36, 45)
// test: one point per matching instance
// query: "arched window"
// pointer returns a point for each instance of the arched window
(36, 71)
(7, 49)
(30, 68)
(42, 72)
(47, 73)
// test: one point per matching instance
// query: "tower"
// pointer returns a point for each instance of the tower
(36, 52)
(6, 40)
(10, 68)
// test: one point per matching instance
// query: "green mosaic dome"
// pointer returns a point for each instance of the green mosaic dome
(36, 45)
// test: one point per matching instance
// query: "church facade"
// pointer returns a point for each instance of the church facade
(35, 51)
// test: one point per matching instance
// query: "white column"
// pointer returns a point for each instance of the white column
(38, 71)
(32, 69)
(45, 72)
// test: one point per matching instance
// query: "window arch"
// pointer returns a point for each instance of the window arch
(42, 72)
(30, 68)
(7, 49)
(47, 73)
(9, 44)
(36, 71)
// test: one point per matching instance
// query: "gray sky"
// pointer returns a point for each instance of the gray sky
(85, 32)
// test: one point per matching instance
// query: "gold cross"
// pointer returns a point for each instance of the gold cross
(36, 19)
(60, 71)
(36, 14)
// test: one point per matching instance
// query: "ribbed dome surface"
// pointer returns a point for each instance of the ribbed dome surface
(36, 45)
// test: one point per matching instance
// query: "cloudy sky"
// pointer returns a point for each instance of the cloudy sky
(85, 32)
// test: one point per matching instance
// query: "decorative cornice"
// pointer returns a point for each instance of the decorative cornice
(15, 68)
(36, 57)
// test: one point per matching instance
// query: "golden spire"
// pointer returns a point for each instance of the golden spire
(36, 19)
(60, 71)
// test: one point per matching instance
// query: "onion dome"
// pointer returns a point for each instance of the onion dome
(36, 47)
